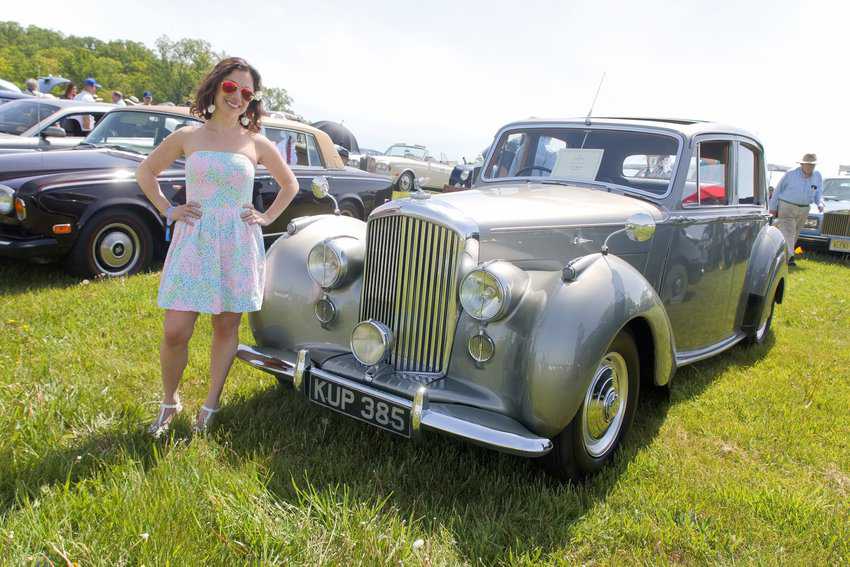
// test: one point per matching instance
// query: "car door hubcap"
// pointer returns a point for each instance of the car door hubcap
(605, 404)
(116, 248)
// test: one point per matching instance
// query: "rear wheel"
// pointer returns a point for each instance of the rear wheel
(405, 182)
(113, 243)
(758, 335)
(607, 412)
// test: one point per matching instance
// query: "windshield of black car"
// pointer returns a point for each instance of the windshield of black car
(18, 116)
(838, 189)
(406, 151)
(639, 160)
(136, 131)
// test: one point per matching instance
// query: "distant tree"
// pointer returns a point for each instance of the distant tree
(277, 99)
(180, 67)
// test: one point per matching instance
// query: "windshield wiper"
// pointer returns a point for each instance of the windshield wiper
(108, 146)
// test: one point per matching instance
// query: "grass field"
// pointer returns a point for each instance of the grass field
(746, 462)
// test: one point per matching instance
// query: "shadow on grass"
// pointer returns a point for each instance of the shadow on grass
(491, 502)
(21, 276)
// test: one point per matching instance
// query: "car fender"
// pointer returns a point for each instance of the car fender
(287, 318)
(150, 213)
(766, 269)
(580, 318)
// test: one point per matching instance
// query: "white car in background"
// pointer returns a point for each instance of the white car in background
(405, 163)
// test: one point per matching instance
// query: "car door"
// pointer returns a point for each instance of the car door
(438, 173)
(697, 277)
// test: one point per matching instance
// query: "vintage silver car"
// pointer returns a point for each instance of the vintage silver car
(524, 314)
(411, 164)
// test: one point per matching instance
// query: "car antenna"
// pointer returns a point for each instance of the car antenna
(592, 104)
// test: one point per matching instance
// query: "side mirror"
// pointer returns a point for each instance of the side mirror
(321, 189)
(640, 227)
(53, 132)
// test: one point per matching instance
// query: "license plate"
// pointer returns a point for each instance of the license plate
(365, 407)
(839, 245)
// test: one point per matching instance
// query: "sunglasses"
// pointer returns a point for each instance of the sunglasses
(230, 87)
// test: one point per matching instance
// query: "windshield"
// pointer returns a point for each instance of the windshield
(19, 116)
(639, 160)
(838, 189)
(406, 151)
(136, 131)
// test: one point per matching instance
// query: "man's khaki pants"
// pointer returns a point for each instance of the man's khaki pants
(790, 219)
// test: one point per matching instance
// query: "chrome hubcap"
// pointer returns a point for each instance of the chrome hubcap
(404, 183)
(116, 249)
(605, 404)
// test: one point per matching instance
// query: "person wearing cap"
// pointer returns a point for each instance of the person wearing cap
(790, 202)
(147, 98)
(90, 87)
(118, 98)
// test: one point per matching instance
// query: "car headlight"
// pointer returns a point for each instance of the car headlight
(7, 200)
(491, 291)
(380, 166)
(333, 262)
(811, 222)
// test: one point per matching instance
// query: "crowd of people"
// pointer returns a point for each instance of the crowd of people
(89, 93)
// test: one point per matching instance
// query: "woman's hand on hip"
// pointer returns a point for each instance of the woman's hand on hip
(252, 216)
(188, 213)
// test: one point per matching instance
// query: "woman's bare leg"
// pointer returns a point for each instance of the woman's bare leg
(174, 351)
(224, 343)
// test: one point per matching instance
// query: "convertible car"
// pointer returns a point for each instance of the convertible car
(524, 314)
(46, 123)
(408, 164)
(83, 205)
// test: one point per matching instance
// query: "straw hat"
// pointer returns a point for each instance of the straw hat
(809, 158)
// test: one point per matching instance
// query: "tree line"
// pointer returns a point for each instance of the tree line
(171, 70)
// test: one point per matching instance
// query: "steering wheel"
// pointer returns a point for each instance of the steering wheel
(532, 168)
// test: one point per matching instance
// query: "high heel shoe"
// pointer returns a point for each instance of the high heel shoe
(203, 420)
(163, 422)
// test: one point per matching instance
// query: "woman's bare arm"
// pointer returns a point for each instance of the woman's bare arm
(157, 161)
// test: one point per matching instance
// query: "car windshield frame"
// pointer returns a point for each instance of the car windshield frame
(843, 188)
(119, 141)
(15, 105)
(675, 136)
(414, 150)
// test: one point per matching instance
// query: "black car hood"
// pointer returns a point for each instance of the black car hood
(31, 164)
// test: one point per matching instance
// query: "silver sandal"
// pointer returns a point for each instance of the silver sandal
(202, 424)
(163, 422)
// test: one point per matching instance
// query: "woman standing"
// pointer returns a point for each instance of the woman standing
(215, 263)
(70, 91)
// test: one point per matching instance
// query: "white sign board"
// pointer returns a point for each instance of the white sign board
(578, 164)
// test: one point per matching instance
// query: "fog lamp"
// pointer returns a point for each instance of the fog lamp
(371, 342)
(481, 347)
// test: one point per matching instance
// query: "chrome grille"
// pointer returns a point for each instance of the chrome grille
(836, 224)
(410, 285)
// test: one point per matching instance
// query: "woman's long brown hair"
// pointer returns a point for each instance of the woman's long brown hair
(205, 95)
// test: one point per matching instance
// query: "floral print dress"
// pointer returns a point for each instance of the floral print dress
(217, 264)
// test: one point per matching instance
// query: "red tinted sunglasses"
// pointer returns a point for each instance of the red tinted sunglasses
(230, 87)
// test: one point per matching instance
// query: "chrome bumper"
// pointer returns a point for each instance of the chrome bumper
(481, 427)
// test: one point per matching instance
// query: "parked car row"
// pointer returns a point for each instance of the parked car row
(830, 230)
(83, 206)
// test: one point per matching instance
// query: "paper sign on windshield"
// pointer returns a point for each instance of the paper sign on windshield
(578, 164)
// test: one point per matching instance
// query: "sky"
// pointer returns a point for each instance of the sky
(449, 74)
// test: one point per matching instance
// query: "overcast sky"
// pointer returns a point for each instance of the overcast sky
(448, 74)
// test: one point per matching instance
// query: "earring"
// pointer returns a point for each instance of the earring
(244, 120)
(211, 109)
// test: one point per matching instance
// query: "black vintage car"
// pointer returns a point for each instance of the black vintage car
(84, 206)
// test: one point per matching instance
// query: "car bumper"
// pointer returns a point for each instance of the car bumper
(481, 427)
(27, 248)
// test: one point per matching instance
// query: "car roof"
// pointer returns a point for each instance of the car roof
(63, 103)
(686, 127)
(159, 108)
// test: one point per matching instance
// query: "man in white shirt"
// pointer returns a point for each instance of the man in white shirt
(90, 87)
(118, 98)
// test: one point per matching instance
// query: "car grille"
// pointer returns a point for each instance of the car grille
(836, 224)
(410, 285)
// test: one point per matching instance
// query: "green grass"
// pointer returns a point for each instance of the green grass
(747, 462)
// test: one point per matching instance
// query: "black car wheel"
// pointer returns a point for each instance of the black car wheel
(113, 243)
(759, 334)
(405, 182)
(607, 412)
(350, 209)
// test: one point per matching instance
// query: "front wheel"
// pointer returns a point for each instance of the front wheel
(113, 243)
(605, 415)
(405, 182)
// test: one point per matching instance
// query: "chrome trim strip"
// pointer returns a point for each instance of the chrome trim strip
(5, 242)
(270, 234)
(265, 362)
(480, 435)
(302, 366)
(691, 356)
(131, 179)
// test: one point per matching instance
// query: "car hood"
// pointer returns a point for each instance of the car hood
(30, 164)
(534, 224)
(830, 207)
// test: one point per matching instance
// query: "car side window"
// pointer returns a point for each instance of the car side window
(748, 180)
(708, 175)
(292, 145)
(313, 154)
